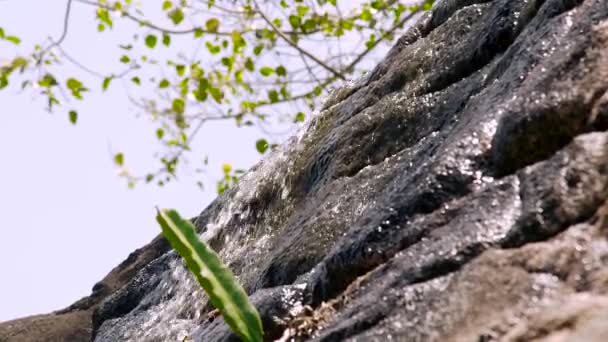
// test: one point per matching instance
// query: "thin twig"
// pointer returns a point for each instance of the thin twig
(296, 46)
(66, 20)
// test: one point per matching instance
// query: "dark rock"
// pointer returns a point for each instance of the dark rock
(459, 192)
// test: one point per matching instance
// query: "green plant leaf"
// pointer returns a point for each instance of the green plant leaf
(3, 81)
(104, 16)
(300, 117)
(261, 145)
(266, 71)
(160, 133)
(119, 158)
(164, 83)
(178, 105)
(47, 80)
(76, 87)
(151, 41)
(212, 25)
(73, 116)
(106, 83)
(13, 39)
(295, 21)
(176, 15)
(281, 71)
(366, 15)
(214, 277)
(273, 96)
(73, 84)
(302, 10)
(226, 168)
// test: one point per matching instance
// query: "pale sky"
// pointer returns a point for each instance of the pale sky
(67, 218)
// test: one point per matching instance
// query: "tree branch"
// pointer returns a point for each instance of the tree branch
(296, 46)
(64, 33)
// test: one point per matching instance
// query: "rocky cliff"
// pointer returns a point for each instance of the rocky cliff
(458, 192)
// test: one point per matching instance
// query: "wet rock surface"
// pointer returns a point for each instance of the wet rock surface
(456, 193)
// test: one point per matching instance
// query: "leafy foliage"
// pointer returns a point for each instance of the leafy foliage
(214, 277)
(255, 62)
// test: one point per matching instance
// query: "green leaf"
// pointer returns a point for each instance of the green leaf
(136, 80)
(214, 49)
(1, 33)
(151, 41)
(347, 24)
(166, 39)
(176, 15)
(73, 84)
(295, 21)
(212, 25)
(47, 80)
(302, 10)
(226, 168)
(238, 42)
(371, 41)
(3, 81)
(119, 158)
(125, 59)
(19, 62)
(163, 83)
(317, 90)
(178, 105)
(104, 16)
(300, 117)
(216, 93)
(377, 4)
(309, 25)
(281, 71)
(228, 62)
(167, 5)
(76, 87)
(13, 39)
(214, 277)
(273, 96)
(261, 145)
(366, 15)
(180, 69)
(106, 83)
(160, 133)
(266, 71)
(249, 64)
(258, 49)
(73, 116)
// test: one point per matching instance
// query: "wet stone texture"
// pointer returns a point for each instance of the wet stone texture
(458, 192)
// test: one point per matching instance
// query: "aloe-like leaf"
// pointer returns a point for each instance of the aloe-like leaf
(214, 277)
